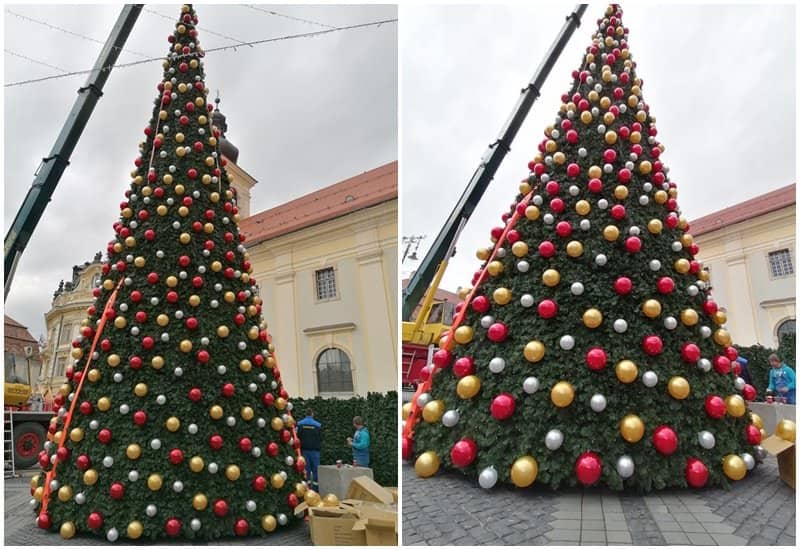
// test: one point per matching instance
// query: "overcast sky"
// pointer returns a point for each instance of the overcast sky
(304, 113)
(720, 81)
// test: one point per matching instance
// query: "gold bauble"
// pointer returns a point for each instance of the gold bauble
(199, 502)
(120, 322)
(483, 254)
(433, 411)
(682, 266)
(406, 410)
(756, 420)
(645, 167)
(90, 477)
(183, 211)
(140, 389)
(463, 334)
(67, 530)
(592, 318)
(64, 493)
(162, 320)
(620, 192)
(427, 464)
(276, 424)
(76, 353)
(519, 249)
(532, 212)
(468, 387)
(636, 137)
(38, 493)
(280, 403)
(626, 371)
(678, 387)
(135, 530)
(611, 137)
(277, 481)
(551, 277)
(103, 404)
(157, 362)
(269, 523)
(130, 242)
(64, 389)
(735, 405)
(734, 467)
(113, 360)
(330, 500)
(229, 297)
(501, 296)
(93, 375)
(586, 117)
(786, 430)
(608, 119)
(687, 240)
(524, 471)
(562, 394)
(722, 337)
(720, 317)
(689, 317)
(35, 481)
(524, 187)
(133, 451)
(173, 424)
(179, 189)
(611, 233)
(534, 351)
(660, 196)
(655, 226)
(311, 498)
(245, 365)
(215, 412)
(574, 249)
(550, 146)
(703, 275)
(559, 158)
(185, 238)
(300, 489)
(583, 207)
(76, 435)
(154, 482)
(631, 428)
(172, 282)
(179, 137)
(495, 268)
(651, 308)
(247, 413)
(232, 472)
(185, 346)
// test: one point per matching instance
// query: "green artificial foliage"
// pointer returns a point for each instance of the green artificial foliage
(182, 409)
(787, 350)
(758, 365)
(379, 412)
(620, 196)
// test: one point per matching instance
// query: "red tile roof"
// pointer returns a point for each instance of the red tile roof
(362, 191)
(763, 204)
(16, 337)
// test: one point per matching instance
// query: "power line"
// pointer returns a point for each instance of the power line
(203, 29)
(9, 52)
(293, 18)
(66, 31)
(221, 48)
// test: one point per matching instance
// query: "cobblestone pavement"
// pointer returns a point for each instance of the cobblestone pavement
(21, 530)
(451, 509)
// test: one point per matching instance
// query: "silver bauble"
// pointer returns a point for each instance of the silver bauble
(585, 225)
(705, 332)
(567, 342)
(692, 290)
(761, 452)
(576, 288)
(649, 379)
(155, 444)
(601, 259)
(450, 418)
(654, 265)
(523, 266)
(749, 461)
(530, 385)
(704, 364)
(282, 519)
(739, 383)
(250, 505)
(486, 321)
(80, 498)
(195, 524)
(112, 534)
(497, 364)
(620, 325)
(526, 300)
(423, 399)
(625, 466)
(706, 439)
(487, 478)
(213, 468)
(598, 403)
(553, 439)
(670, 323)
(133, 475)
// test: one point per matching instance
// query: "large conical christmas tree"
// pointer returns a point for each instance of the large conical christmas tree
(174, 421)
(589, 350)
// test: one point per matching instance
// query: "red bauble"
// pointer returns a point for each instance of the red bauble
(497, 332)
(572, 136)
(547, 309)
(596, 359)
(203, 356)
(557, 206)
(140, 418)
(464, 366)
(715, 406)
(176, 456)
(623, 286)
(292, 499)
(463, 452)
(220, 508)
(197, 281)
(228, 389)
(690, 352)
(273, 449)
(748, 392)
(85, 407)
(147, 341)
(286, 435)
(696, 473)
(573, 170)
(595, 185)
(722, 364)
(173, 527)
(245, 445)
(141, 317)
(665, 285)
(241, 527)
(152, 278)
(63, 454)
(513, 236)
(665, 440)
(195, 394)
(268, 399)
(710, 307)
(624, 175)
(83, 462)
(546, 249)
(753, 434)
(652, 345)
(731, 353)
(617, 211)
(259, 484)
(408, 448)
(736, 368)
(116, 491)
(44, 459)
(609, 155)
(172, 297)
(503, 406)
(104, 436)
(588, 468)
(215, 442)
(43, 521)
(563, 229)
(94, 521)
(633, 244)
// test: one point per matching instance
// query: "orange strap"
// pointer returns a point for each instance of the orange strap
(448, 341)
(51, 474)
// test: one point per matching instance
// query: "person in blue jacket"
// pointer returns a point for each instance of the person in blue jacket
(309, 430)
(782, 379)
(360, 443)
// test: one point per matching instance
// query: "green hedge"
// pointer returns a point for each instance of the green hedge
(379, 412)
(758, 365)
(786, 350)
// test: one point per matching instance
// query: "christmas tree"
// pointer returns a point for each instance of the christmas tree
(589, 349)
(174, 421)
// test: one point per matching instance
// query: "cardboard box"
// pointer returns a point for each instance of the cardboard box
(335, 527)
(337, 480)
(785, 451)
(377, 521)
(365, 488)
(395, 494)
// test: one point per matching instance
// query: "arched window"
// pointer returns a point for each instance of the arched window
(333, 372)
(789, 326)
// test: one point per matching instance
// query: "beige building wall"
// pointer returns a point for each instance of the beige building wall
(361, 247)
(738, 259)
(243, 183)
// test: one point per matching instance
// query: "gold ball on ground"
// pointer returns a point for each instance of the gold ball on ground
(611, 233)
(173, 424)
(67, 530)
(756, 420)
(427, 464)
(651, 308)
(90, 477)
(433, 411)
(495, 268)
(626, 371)
(592, 318)
(269, 523)
(135, 530)
(406, 410)
(64, 493)
(562, 394)
(330, 500)
(133, 451)
(786, 430)
(232, 472)
(689, 317)
(734, 467)
(735, 405)
(519, 249)
(551, 277)
(199, 502)
(463, 334)
(215, 412)
(468, 387)
(631, 428)
(722, 337)
(196, 464)
(678, 387)
(574, 249)
(534, 351)
(501, 296)
(524, 471)
(312, 498)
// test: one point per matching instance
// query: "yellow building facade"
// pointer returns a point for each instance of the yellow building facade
(749, 249)
(326, 266)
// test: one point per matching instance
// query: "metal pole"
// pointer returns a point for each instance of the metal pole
(486, 170)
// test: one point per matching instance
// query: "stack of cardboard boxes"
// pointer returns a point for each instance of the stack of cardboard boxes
(367, 517)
